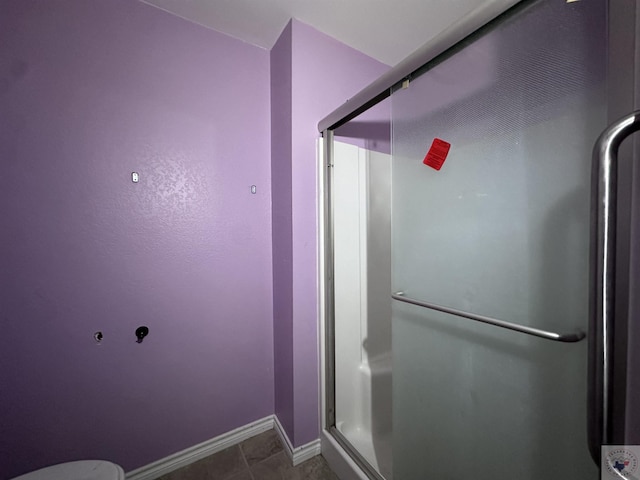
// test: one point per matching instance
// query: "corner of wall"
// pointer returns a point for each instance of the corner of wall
(281, 213)
(311, 74)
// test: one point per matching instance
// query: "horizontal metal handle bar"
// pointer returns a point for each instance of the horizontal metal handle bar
(556, 337)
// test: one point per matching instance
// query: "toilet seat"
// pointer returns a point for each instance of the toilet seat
(81, 470)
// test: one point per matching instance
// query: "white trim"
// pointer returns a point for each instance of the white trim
(198, 452)
(321, 280)
(297, 454)
(321, 277)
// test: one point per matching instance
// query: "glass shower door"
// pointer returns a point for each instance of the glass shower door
(501, 231)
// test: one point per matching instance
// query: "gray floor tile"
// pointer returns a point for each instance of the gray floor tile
(315, 468)
(170, 476)
(225, 463)
(272, 468)
(219, 466)
(194, 471)
(261, 447)
(269, 461)
(241, 476)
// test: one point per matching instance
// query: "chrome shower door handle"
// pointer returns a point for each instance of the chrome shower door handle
(602, 280)
(568, 337)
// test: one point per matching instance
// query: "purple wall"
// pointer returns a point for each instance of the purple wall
(281, 216)
(89, 92)
(324, 74)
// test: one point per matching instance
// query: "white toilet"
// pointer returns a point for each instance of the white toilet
(82, 470)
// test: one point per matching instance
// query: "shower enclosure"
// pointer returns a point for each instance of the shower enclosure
(362, 273)
(457, 298)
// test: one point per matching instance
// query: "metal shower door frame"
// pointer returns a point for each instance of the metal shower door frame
(606, 422)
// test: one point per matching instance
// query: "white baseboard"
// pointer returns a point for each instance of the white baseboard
(297, 454)
(198, 452)
(190, 455)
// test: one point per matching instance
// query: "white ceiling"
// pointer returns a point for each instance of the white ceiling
(387, 30)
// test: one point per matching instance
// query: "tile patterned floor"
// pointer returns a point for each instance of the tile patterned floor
(259, 458)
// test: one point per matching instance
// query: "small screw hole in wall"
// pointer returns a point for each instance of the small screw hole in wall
(253, 189)
(98, 337)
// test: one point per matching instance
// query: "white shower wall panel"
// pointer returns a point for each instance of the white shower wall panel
(362, 255)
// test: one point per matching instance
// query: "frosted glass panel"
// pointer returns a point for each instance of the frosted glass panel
(475, 402)
(501, 230)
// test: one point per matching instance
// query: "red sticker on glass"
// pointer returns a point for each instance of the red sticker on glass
(437, 154)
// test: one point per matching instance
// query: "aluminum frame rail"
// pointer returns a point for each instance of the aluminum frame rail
(380, 89)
